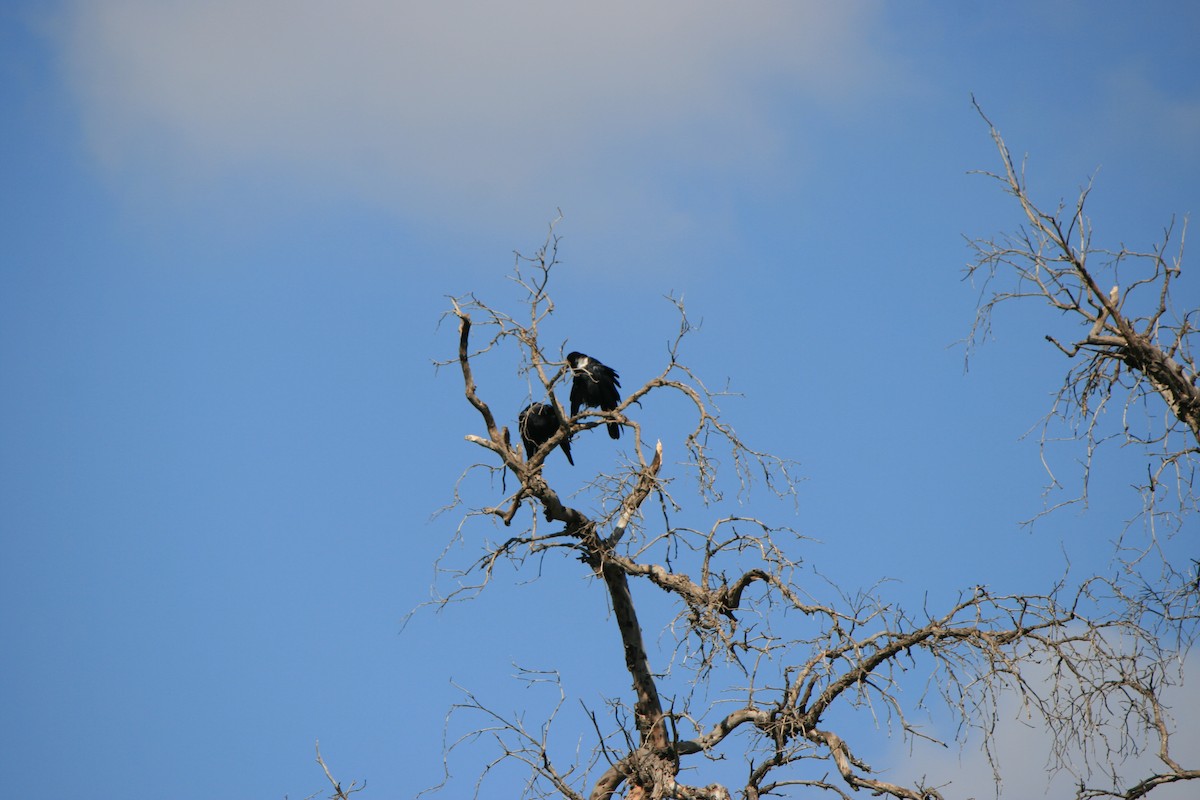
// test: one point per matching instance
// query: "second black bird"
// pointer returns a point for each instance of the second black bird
(596, 385)
(537, 423)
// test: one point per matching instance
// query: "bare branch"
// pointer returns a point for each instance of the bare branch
(338, 792)
(1136, 345)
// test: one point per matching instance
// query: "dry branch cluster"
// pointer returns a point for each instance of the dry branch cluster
(1090, 662)
(1135, 347)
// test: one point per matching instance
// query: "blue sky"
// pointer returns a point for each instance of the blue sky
(229, 230)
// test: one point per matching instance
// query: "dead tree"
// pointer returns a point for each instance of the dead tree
(1135, 380)
(788, 657)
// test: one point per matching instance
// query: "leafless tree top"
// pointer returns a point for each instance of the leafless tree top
(1134, 378)
(761, 656)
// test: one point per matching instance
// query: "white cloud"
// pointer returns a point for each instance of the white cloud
(458, 105)
(1022, 747)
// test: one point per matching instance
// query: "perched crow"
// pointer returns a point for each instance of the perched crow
(594, 385)
(537, 423)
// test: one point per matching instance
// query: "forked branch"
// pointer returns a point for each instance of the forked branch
(1136, 344)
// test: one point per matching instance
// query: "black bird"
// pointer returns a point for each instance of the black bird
(594, 385)
(537, 423)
